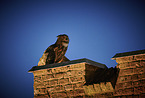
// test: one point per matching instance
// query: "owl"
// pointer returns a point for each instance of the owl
(56, 52)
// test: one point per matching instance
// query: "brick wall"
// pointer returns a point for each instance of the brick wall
(131, 79)
(63, 81)
(84, 78)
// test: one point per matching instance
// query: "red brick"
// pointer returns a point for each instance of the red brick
(128, 71)
(118, 86)
(70, 93)
(59, 88)
(43, 91)
(139, 57)
(138, 70)
(128, 91)
(125, 59)
(53, 95)
(53, 82)
(61, 95)
(68, 87)
(41, 96)
(141, 76)
(77, 79)
(49, 71)
(52, 89)
(59, 75)
(49, 76)
(134, 77)
(124, 78)
(138, 90)
(63, 81)
(136, 83)
(79, 85)
(79, 92)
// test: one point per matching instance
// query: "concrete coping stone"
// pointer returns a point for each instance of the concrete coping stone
(84, 60)
(131, 53)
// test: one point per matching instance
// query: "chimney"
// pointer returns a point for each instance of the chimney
(65, 79)
(131, 78)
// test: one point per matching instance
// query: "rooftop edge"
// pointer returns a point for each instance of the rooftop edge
(129, 53)
(68, 63)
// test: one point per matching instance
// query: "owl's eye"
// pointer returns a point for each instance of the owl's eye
(66, 38)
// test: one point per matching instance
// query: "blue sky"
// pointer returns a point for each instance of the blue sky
(98, 29)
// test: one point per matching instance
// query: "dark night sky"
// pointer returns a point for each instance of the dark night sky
(98, 29)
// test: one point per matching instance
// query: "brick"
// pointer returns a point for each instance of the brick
(143, 89)
(72, 73)
(123, 65)
(124, 78)
(136, 83)
(43, 91)
(77, 79)
(79, 66)
(127, 91)
(50, 89)
(37, 78)
(110, 94)
(39, 85)
(126, 71)
(139, 83)
(63, 81)
(79, 85)
(40, 72)
(128, 65)
(138, 90)
(53, 95)
(117, 93)
(59, 88)
(59, 75)
(70, 93)
(97, 88)
(109, 87)
(43, 77)
(89, 90)
(118, 86)
(49, 76)
(49, 71)
(139, 57)
(127, 84)
(41, 96)
(124, 59)
(142, 82)
(138, 70)
(36, 91)
(68, 87)
(134, 77)
(60, 69)
(142, 63)
(78, 92)
(61, 95)
(141, 76)
(53, 82)
(103, 87)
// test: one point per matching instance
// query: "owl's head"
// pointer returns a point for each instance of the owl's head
(62, 39)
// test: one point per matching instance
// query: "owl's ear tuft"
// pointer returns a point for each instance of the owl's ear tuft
(62, 35)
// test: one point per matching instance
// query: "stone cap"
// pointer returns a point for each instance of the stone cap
(138, 52)
(84, 60)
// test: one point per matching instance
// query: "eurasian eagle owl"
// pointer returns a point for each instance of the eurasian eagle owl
(56, 52)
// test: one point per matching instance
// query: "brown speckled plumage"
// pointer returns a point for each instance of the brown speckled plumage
(56, 52)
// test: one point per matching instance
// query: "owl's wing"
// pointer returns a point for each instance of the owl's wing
(47, 57)
(50, 55)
